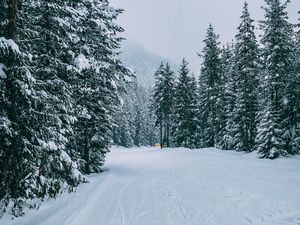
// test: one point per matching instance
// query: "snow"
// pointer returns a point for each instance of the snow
(81, 62)
(49, 145)
(113, 84)
(147, 186)
(9, 44)
(2, 74)
(98, 22)
(85, 114)
(65, 157)
(30, 77)
(52, 145)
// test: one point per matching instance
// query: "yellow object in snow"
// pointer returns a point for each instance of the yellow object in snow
(157, 145)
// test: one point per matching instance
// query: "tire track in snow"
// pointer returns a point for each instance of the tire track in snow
(177, 206)
(91, 200)
(120, 206)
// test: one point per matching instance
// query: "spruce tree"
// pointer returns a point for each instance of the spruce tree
(163, 95)
(47, 39)
(276, 106)
(99, 73)
(125, 125)
(295, 129)
(156, 107)
(145, 133)
(246, 69)
(48, 64)
(134, 119)
(228, 98)
(209, 90)
(168, 102)
(19, 148)
(185, 126)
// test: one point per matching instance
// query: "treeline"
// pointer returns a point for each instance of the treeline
(134, 120)
(59, 91)
(248, 94)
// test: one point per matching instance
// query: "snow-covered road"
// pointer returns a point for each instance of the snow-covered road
(179, 187)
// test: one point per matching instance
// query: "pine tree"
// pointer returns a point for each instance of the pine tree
(139, 131)
(157, 97)
(185, 110)
(48, 64)
(125, 125)
(151, 132)
(134, 119)
(246, 69)
(163, 95)
(228, 98)
(168, 102)
(97, 82)
(145, 133)
(295, 128)
(276, 81)
(209, 90)
(19, 150)
(47, 41)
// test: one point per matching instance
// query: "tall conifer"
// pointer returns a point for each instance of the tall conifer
(276, 81)
(209, 88)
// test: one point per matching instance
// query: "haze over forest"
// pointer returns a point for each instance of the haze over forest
(176, 28)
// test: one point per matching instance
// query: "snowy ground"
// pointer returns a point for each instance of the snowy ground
(179, 187)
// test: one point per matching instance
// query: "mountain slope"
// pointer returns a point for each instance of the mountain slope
(143, 62)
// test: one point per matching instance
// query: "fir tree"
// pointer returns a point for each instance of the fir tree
(276, 81)
(209, 90)
(295, 128)
(246, 69)
(185, 110)
(47, 41)
(145, 133)
(48, 65)
(125, 126)
(97, 81)
(163, 95)
(228, 98)
(168, 102)
(19, 150)
(134, 120)
(157, 97)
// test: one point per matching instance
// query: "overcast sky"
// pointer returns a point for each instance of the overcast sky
(176, 28)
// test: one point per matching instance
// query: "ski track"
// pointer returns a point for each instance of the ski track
(179, 187)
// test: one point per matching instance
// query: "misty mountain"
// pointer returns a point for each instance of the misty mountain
(143, 62)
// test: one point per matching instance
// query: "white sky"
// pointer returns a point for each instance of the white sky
(176, 28)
